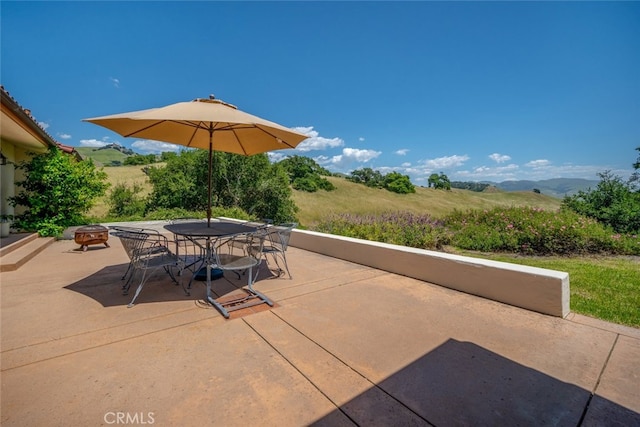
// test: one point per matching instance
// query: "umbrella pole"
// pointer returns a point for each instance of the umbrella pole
(209, 186)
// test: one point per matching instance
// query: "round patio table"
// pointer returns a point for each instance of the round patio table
(196, 230)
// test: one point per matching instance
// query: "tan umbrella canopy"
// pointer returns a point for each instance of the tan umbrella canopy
(204, 123)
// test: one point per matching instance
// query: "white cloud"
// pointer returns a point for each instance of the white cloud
(538, 163)
(93, 143)
(361, 156)
(116, 82)
(64, 136)
(445, 162)
(43, 125)
(154, 147)
(402, 152)
(276, 156)
(315, 142)
(487, 173)
(350, 155)
(499, 158)
(361, 139)
(406, 165)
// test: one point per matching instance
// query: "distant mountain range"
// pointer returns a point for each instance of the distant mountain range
(557, 187)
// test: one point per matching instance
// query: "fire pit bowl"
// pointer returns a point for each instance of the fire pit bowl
(91, 235)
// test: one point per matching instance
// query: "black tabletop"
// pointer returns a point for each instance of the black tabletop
(217, 229)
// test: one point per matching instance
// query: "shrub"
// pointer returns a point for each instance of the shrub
(613, 203)
(125, 201)
(398, 183)
(535, 231)
(57, 191)
(305, 184)
(402, 228)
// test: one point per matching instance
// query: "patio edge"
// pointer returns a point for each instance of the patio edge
(532, 288)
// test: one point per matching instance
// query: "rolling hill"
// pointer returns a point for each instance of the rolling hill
(557, 187)
(355, 198)
(105, 156)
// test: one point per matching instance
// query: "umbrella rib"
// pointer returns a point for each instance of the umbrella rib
(158, 123)
(265, 130)
(238, 141)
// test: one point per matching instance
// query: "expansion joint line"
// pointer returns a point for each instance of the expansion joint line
(595, 387)
(338, 359)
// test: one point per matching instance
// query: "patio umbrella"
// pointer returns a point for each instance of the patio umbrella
(207, 124)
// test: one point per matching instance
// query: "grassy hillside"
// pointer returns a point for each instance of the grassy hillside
(117, 175)
(357, 198)
(103, 156)
(557, 187)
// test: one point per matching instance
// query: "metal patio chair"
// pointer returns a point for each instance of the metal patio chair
(276, 242)
(114, 232)
(149, 251)
(242, 253)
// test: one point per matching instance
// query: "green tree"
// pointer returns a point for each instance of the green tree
(125, 201)
(306, 175)
(439, 181)
(613, 202)
(368, 177)
(433, 179)
(166, 155)
(56, 192)
(251, 183)
(141, 159)
(634, 180)
(398, 183)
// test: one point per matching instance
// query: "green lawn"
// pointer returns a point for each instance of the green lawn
(607, 288)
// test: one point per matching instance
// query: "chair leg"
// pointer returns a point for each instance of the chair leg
(140, 286)
(253, 291)
(275, 256)
(286, 266)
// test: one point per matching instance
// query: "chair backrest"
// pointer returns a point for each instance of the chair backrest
(279, 235)
(132, 241)
(230, 252)
(140, 246)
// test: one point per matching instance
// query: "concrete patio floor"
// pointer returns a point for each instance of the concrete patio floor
(345, 345)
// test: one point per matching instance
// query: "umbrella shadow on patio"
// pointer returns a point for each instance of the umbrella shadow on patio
(105, 287)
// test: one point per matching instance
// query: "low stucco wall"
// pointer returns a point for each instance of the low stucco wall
(536, 289)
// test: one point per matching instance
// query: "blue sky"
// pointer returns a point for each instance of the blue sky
(478, 90)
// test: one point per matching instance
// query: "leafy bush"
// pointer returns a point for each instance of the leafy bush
(471, 186)
(250, 183)
(306, 175)
(402, 228)
(367, 176)
(57, 192)
(393, 181)
(125, 201)
(311, 184)
(613, 202)
(398, 183)
(526, 230)
(535, 231)
(141, 159)
(305, 184)
(439, 182)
